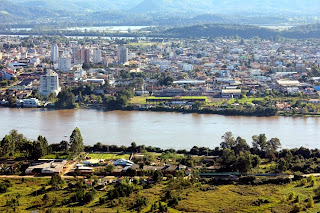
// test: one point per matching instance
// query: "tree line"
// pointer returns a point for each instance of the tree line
(66, 99)
(233, 154)
(16, 144)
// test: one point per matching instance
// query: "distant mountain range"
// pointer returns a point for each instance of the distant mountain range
(180, 6)
(81, 5)
(156, 12)
(229, 6)
(10, 11)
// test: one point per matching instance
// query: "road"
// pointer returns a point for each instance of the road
(69, 167)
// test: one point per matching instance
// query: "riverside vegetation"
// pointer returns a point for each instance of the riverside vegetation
(253, 188)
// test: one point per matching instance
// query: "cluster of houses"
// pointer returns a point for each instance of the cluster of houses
(85, 168)
(49, 167)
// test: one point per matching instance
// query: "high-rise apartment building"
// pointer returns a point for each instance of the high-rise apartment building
(65, 64)
(122, 55)
(55, 53)
(86, 55)
(49, 83)
(97, 58)
(76, 56)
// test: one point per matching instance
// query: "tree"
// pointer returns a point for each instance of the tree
(148, 157)
(44, 144)
(64, 146)
(12, 143)
(274, 143)
(244, 162)
(66, 99)
(36, 150)
(256, 160)
(197, 105)
(228, 159)
(109, 168)
(166, 80)
(133, 147)
(19, 140)
(228, 141)
(157, 176)
(12, 101)
(259, 142)
(76, 141)
(56, 181)
(7, 146)
(131, 172)
(241, 145)
(52, 97)
(282, 166)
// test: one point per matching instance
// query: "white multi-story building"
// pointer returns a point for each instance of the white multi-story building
(49, 83)
(122, 55)
(97, 56)
(65, 64)
(55, 53)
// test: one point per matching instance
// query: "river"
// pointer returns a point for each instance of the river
(162, 129)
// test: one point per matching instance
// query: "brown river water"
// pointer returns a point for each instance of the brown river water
(162, 129)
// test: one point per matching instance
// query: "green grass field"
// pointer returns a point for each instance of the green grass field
(138, 100)
(112, 156)
(143, 99)
(54, 156)
(244, 100)
(209, 102)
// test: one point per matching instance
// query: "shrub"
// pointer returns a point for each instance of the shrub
(121, 190)
(12, 203)
(174, 201)
(4, 187)
(296, 208)
(247, 180)
(260, 201)
(140, 202)
(311, 178)
(49, 211)
(303, 182)
(310, 203)
(163, 207)
(297, 199)
(83, 197)
(292, 196)
(317, 192)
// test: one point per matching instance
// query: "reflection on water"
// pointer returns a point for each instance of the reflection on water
(167, 130)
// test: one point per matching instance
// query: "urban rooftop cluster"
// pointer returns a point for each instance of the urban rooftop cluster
(220, 74)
